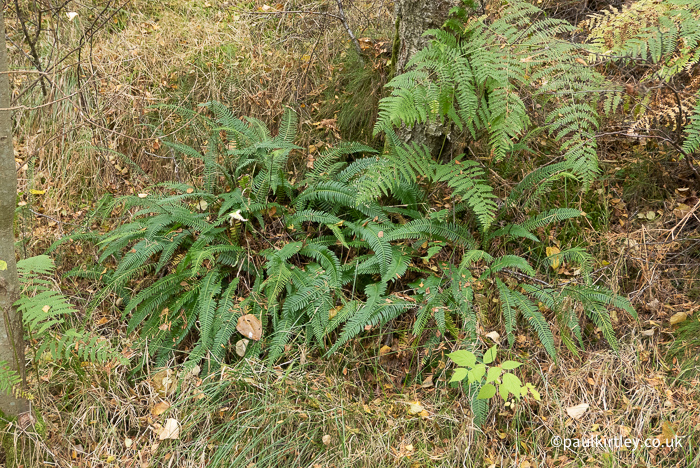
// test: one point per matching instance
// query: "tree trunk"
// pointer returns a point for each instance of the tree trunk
(11, 331)
(413, 18)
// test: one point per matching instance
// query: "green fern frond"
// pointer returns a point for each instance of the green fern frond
(536, 321)
(554, 215)
(508, 307)
(288, 126)
(377, 309)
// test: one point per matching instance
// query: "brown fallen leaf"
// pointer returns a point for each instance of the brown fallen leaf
(160, 408)
(250, 327)
(165, 382)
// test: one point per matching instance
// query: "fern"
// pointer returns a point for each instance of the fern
(323, 257)
(481, 78)
(45, 312)
(662, 37)
(377, 309)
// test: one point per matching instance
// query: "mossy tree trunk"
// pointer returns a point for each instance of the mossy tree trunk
(11, 333)
(413, 18)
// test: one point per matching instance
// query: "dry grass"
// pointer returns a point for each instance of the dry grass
(178, 52)
(184, 52)
(257, 416)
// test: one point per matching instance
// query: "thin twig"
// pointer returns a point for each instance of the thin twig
(353, 39)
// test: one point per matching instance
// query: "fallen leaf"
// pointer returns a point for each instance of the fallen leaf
(237, 216)
(165, 382)
(171, 430)
(678, 318)
(575, 412)
(250, 327)
(241, 346)
(494, 336)
(415, 408)
(143, 195)
(384, 349)
(326, 440)
(667, 433)
(160, 408)
(555, 261)
(71, 15)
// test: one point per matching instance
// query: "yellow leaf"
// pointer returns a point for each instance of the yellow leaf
(667, 433)
(555, 261)
(333, 312)
(46, 308)
(37, 192)
(678, 318)
(415, 408)
(384, 349)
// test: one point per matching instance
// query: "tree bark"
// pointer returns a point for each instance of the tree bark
(11, 331)
(413, 18)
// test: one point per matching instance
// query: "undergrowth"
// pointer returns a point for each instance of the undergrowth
(372, 265)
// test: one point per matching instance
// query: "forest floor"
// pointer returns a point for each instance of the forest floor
(367, 405)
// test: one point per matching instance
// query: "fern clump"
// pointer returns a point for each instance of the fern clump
(323, 256)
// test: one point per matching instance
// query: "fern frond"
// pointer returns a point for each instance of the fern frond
(377, 309)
